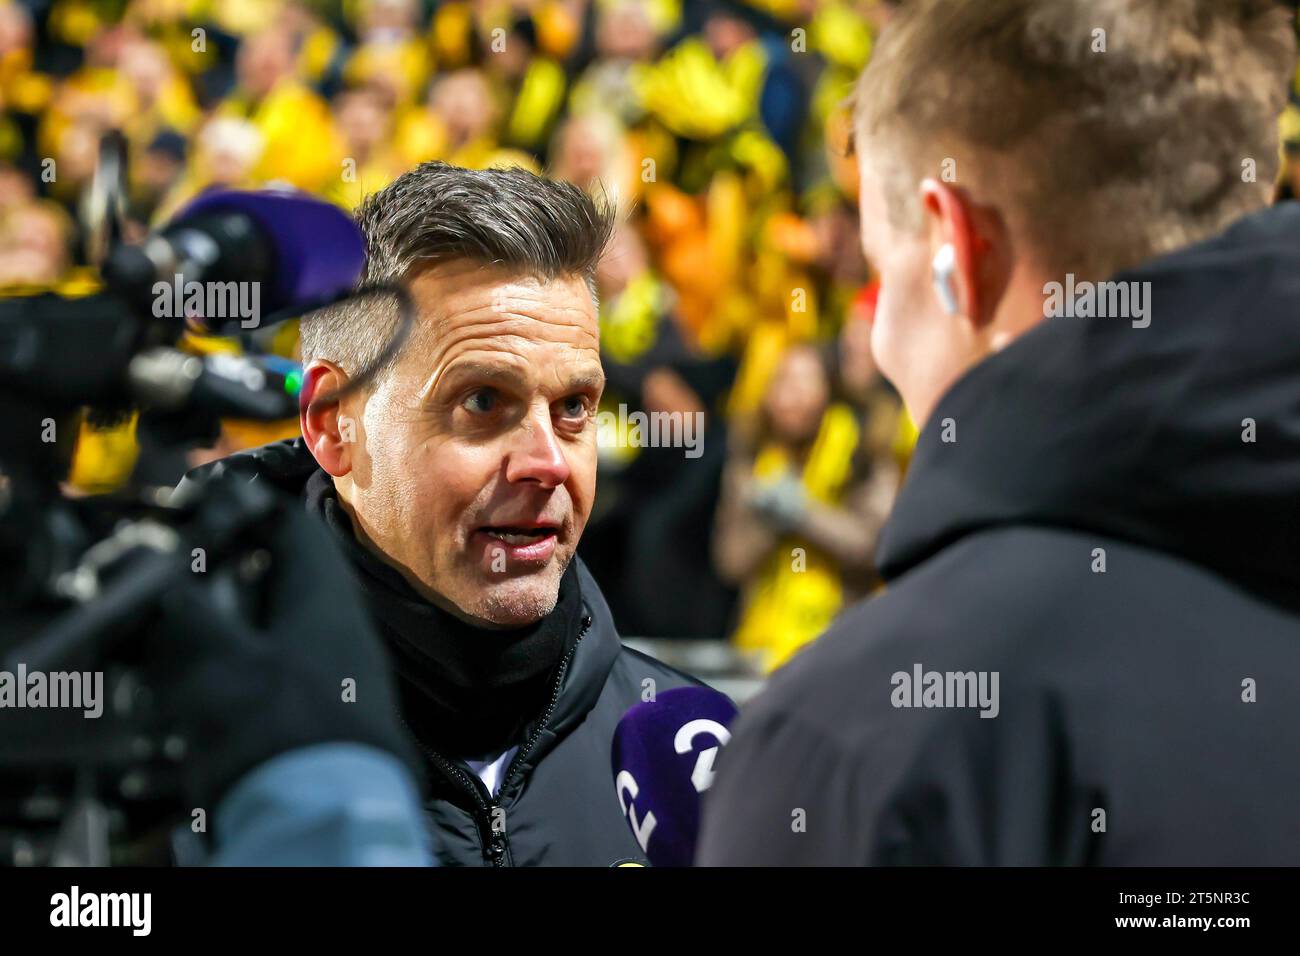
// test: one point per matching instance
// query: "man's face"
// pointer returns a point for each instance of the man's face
(918, 346)
(475, 461)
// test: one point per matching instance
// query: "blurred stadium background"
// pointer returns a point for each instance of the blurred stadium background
(734, 287)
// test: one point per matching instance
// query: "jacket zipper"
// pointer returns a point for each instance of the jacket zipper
(495, 846)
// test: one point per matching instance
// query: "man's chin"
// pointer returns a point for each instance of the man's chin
(519, 600)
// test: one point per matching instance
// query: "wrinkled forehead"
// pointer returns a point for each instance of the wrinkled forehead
(465, 306)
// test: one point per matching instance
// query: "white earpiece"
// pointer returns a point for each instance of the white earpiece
(943, 266)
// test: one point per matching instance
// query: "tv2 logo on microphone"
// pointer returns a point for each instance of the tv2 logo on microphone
(701, 776)
(664, 753)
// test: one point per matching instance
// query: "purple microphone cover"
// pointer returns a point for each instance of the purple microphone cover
(663, 756)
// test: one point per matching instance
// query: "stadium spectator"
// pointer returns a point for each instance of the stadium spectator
(796, 518)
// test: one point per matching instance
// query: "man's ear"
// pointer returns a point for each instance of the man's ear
(330, 434)
(972, 274)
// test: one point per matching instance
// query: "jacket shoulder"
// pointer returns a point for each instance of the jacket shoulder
(285, 464)
(638, 666)
(630, 676)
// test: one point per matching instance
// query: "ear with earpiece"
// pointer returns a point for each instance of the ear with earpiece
(942, 270)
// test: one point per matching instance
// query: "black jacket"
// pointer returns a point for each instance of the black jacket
(1149, 713)
(557, 804)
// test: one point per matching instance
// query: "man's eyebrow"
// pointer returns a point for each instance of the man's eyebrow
(481, 370)
(587, 379)
(476, 371)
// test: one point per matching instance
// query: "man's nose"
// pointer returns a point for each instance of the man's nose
(535, 453)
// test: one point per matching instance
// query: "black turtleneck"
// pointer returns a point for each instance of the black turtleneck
(466, 692)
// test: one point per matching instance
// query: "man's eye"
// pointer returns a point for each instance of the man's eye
(574, 406)
(482, 400)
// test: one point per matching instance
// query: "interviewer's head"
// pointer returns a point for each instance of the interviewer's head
(469, 462)
(1045, 138)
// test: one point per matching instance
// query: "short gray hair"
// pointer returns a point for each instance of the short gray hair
(436, 213)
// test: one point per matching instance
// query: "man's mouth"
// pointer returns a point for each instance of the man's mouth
(520, 544)
(519, 535)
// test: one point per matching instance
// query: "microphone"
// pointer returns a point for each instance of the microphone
(298, 251)
(663, 755)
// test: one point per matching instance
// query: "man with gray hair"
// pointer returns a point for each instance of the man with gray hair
(458, 480)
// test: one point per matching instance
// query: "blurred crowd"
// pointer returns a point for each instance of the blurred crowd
(734, 286)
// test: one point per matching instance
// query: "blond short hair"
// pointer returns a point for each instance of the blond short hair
(1107, 131)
